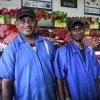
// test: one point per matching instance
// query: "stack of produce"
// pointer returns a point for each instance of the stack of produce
(8, 33)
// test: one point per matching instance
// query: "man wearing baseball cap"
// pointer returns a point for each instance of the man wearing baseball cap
(76, 66)
(26, 64)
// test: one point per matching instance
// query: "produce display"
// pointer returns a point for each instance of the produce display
(58, 35)
(7, 33)
(54, 15)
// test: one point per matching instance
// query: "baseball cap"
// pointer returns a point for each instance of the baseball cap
(73, 21)
(25, 11)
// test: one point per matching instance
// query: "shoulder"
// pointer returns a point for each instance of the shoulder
(41, 38)
(11, 47)
(89, 49)
(62, 49)
(48, 41)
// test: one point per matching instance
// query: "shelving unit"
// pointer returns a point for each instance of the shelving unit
(59, 35)
(95, 33)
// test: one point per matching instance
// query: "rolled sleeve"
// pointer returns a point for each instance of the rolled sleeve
(7, 65)
(59, 63)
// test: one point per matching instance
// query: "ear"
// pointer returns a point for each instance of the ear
(36, 22)
(69, 32)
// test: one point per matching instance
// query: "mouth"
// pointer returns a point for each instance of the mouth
(28, 29)
(80, 36)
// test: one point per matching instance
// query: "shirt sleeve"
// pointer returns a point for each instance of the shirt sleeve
(96, 65)
(7, 63)
(60, 63)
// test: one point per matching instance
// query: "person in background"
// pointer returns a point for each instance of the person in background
(26, 63)
(76, 67)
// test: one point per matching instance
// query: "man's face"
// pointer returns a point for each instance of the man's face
(77, 33)
(26, 25)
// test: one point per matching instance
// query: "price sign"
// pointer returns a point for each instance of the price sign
(87, 32)
(13, 20)
(94, 26)
(2, 19)
(58, 23)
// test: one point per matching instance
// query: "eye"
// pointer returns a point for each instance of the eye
(31, 20)
(77, 29)
(74, 29)
(21, 21)
(81, 28)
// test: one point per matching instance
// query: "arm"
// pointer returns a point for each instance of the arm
(7, 89)
(97, 84)
(62, 89)
(96, 73)
(67, 94)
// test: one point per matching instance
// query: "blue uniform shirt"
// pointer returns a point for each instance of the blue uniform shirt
(30, 69)
(80, 75)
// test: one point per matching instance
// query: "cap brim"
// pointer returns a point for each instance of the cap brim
(26, 15)
(77, 21)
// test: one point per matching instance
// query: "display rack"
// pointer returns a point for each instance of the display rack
(59, 35)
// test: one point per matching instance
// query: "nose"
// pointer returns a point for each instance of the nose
(27, 22)
(78, 31)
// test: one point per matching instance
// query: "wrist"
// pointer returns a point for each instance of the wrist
(68, 98)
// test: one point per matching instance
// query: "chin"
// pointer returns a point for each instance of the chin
(28, 33)
(79, 40)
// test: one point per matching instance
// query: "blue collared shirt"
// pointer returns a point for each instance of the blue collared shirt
(79, 74)
(30, 69)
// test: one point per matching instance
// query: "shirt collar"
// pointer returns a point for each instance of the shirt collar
(19, 39)
(75, 49)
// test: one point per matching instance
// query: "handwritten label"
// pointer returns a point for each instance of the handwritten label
(2, 19)
(58, 23)
(94, 26)
(87, 32)
(13, 19)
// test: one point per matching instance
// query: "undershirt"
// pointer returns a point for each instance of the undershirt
(83, 54)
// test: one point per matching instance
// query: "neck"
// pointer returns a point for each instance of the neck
(78, 44)
(30, 39)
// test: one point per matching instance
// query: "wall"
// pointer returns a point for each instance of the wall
(79, 11)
